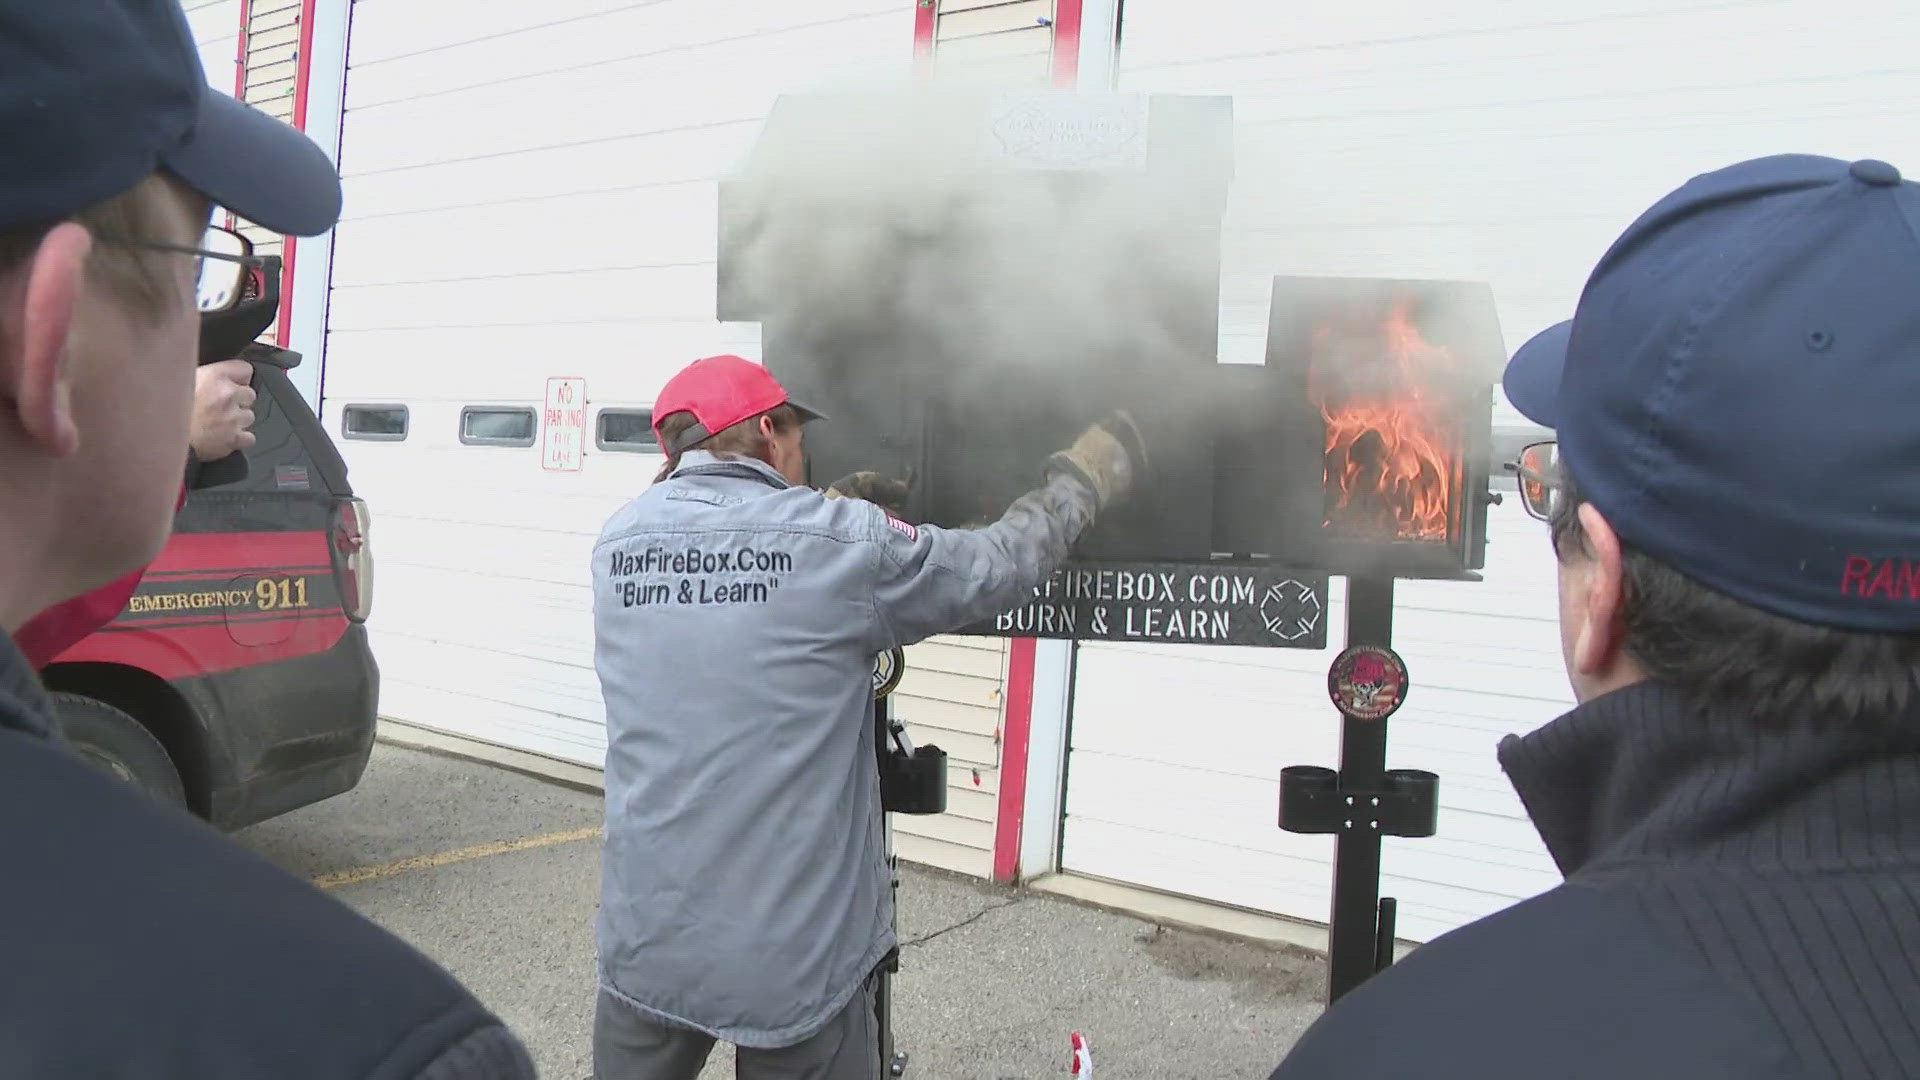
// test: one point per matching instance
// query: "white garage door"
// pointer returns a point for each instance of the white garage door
(1486, 141)
(531, 196)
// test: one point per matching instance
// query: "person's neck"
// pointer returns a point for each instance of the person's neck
(27, 585)
(1620, 674)
(20, 592)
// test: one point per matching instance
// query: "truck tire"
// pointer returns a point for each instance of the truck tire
(114, 741)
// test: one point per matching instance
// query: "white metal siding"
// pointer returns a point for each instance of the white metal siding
(269, 68)
(1492, 141)
(530, 192)
(1005, 43)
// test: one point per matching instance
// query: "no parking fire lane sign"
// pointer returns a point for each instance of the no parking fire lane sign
(564, 425)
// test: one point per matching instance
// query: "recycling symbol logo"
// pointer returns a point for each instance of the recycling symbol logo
(1291, 610)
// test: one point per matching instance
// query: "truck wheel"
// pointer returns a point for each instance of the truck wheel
(117, 743)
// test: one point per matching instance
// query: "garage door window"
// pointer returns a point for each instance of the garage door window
(628, 431)
(492, 425)
(377, 423)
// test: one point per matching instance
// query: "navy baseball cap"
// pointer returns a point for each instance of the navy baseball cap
(95, 95)
(1738, 391)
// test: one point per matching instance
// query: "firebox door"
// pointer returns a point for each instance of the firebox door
(1386, 389)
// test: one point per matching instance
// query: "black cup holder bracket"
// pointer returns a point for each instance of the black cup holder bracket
(1312, 800)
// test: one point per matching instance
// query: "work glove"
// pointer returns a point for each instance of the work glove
(1108, 457)
(882, 491)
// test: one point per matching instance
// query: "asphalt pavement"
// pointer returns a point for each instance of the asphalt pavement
(495, 874)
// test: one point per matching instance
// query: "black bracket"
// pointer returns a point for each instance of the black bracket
(1406, 803)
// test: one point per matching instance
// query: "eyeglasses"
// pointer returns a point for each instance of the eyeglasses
(222, 264)
(1538, 471)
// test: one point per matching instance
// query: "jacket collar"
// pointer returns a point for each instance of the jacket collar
(706, 462)
(24, 705)
(1637, 776)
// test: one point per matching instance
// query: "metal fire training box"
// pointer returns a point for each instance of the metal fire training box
(963, 281)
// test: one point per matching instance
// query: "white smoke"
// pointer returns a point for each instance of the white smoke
(864, 209)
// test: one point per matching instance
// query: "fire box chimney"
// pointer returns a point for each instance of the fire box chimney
(963, 281)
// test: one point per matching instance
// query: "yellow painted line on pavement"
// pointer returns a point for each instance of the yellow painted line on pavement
(344, 878)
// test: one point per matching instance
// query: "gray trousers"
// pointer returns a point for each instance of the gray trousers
(630, 1046)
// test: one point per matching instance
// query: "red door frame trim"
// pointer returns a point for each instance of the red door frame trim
(1016, 730)
(924, 14)
(289, 248)
(1066, 43)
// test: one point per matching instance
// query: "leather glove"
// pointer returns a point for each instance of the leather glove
(1108, 457)
(882, 491)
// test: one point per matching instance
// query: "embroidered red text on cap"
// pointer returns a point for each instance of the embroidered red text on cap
(1895, 579)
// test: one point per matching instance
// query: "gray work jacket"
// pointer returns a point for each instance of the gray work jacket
(744, 889)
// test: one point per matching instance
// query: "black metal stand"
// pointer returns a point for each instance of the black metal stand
(912, 781)
(892, 1058)
(1361, 803)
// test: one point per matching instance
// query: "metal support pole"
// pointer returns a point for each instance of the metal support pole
(1353, 951)
(891, 1058)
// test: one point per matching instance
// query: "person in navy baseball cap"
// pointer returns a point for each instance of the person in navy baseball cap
(113, 153)
(1733, 497)
(1737, 393)
(96, 95)
(136, 941)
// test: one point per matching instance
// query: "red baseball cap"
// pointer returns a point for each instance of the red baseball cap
(720, 391)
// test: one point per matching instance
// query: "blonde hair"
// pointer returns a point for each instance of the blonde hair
(152, 209)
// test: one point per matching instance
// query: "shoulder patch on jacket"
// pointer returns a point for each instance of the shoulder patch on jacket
(702, 495)
(902, 528)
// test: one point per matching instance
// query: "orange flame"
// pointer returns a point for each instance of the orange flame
(1391, 432)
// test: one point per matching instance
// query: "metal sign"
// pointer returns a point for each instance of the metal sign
(1367, 682)
(1172, 603)
(565, 422)
(1076, 131)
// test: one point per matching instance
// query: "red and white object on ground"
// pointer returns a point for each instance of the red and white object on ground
(1082, 1058)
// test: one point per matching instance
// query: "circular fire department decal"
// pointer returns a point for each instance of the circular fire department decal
(888, 667)
(1367, 682)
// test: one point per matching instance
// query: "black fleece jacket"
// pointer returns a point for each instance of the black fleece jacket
(1739, 903)
(137, 942)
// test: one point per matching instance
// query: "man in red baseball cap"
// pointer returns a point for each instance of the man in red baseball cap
(744, 893)
(717, 393)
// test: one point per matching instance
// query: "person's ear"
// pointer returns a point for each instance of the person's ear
(766, 427)
(1600, 638)
(34, 376)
